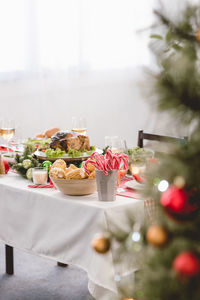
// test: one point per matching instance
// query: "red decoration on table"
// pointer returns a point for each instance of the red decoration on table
(41, 186)
(111, 161)
(176, 201)
(138, 178)
(187, 264)
(6, 166)
(6, 149)
(124, 191)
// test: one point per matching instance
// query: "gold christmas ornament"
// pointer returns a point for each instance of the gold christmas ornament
(198, 35)
(2, 168)
(157, 235)
(128, 299)
(179, 182)
(101, 244)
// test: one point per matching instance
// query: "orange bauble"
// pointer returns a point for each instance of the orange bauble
(157, 235)
(101, 244)
(2, 166)
(198, 35)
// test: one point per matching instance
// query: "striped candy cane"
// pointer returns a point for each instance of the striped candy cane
(110, 162)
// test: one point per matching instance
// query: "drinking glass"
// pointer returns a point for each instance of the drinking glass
(140, 161)
(79, 125)
(7, 130)
(40, 175)
(115, 143)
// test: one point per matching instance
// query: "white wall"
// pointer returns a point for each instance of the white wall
(112, 104)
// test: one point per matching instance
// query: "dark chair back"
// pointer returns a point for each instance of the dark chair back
(161, 138)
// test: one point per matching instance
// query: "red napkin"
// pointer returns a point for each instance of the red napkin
(41, 186)
(138, 178)
(125, 191)
(2, 148)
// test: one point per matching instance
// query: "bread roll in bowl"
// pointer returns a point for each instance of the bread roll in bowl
(50, 132)
(40, 136)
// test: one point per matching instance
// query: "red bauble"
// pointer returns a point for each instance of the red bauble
(6, 166)
(176, 201)
(187, 264)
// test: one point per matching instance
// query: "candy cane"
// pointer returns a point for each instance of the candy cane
(108, 165)
(100, 159)
(109, 154)
(110, 162)
(125, 160)
(116, 162)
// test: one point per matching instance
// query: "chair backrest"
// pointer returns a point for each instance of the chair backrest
(161, 138)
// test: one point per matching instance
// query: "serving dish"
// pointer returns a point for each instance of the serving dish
(42, 156)
(75, 187)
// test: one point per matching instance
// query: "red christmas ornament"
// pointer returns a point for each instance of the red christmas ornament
(6, 166)
(176, 201)
(187, 264)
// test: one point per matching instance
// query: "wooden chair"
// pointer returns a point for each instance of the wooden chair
(160, 138)
(9, 257)
(9, 260)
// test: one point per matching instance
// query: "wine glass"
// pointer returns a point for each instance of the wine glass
(79, 125)
(115, 143)
(7, 131)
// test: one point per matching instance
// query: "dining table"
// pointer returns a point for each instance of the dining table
(47, 223)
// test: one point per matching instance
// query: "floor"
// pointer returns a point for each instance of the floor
(36, 278)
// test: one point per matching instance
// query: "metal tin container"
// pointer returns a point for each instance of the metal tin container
(106, 185)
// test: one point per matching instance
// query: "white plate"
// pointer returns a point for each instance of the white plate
(133, 184)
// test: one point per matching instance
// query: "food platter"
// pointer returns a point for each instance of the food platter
(42, 156)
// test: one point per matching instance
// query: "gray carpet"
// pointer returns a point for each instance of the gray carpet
(36, 278)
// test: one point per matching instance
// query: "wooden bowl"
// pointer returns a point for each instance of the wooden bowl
(76, 187)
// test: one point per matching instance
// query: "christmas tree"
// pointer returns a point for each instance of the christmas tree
(171, 245)
(168, 248)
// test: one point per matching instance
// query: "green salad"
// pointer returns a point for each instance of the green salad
(37, 144)
(54, 153)
(78, 153)
(138, 154)
(71, 153)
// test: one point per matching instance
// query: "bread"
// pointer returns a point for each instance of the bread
(72, 166)
(83, 164)
(83, 173)
(92, 175)
(90, 167)
(59, 163)
(74, 174)
(50, 132)
(57, 173)
(40, 136)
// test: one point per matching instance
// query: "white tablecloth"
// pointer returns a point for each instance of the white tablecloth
(47, 223)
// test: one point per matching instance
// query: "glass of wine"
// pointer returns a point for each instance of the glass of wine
(115, 143)
(79, 125)
(7, 131)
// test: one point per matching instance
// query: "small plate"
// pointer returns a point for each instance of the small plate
(134, 185)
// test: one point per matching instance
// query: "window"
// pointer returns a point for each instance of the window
(72, 35)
